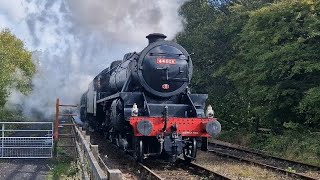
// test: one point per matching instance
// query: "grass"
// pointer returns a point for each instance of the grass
(65, 165)
(303, 146)
(63, 169)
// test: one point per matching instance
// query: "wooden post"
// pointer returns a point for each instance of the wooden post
(56, 125)
(56, 130)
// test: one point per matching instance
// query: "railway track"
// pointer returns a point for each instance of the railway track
(157, 169)
(151, 169)
(288, 167)
(163, 170)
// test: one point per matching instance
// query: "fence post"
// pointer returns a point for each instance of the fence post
(56, 129)
(95, 151)
(87, 138)
(56, 125)
(2, 140)
(114, 174)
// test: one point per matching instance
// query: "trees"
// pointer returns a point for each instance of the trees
(203, 26)
(16, 66)
(260, 59)
(211, 32)
(278, 64)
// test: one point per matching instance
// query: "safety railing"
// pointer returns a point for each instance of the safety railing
(26, 139)
(92, 163)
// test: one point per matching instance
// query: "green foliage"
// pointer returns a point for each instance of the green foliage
(63, 169)
(257, 59)
(16, 67)
(211, 33)
(309, 105)
(7, 115)
(279, 62)
(299, 145)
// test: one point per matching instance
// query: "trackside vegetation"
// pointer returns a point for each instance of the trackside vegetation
(259, 61)
(16, 70)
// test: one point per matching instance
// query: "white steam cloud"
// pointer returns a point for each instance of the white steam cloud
(74, 40)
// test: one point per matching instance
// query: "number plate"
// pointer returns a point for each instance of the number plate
(166, 61)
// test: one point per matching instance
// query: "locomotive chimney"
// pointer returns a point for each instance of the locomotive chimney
(155, 37)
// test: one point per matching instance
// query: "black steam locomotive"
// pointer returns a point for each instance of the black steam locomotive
(143, 104)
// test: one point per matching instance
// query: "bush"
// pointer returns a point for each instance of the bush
(301, 145)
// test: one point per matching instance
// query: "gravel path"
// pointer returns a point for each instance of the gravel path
(236, 169)
(24, 169)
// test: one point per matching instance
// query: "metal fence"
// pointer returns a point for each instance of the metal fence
(26, 139)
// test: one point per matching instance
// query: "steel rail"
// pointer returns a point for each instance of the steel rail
(190, 168)
(250, 161)
(196, 169)
(209, 173)
(262, 154)
(147, 172)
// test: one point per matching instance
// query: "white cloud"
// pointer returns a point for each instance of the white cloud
(14, 9)
(4, 22)
(78, 39)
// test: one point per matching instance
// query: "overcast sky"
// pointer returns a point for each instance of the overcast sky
(73, 40)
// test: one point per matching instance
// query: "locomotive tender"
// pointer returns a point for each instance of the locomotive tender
(143, 104)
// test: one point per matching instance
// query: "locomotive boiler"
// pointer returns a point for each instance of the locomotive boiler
(143, 104)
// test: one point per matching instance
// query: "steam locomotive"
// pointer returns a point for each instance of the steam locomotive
(143, 104)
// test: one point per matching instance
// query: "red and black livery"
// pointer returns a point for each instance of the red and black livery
(143, 104)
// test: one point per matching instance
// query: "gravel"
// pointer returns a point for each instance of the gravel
(26, 169)
(299, 168)
(235, 169)
(115, 158)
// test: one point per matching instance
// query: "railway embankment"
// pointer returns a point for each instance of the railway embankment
(298, 145)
